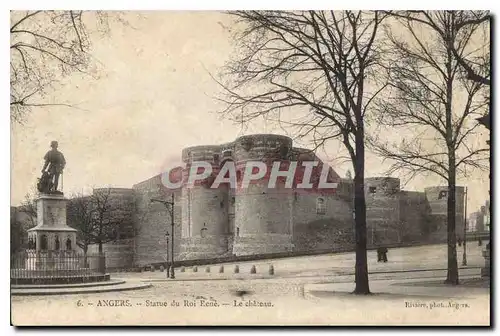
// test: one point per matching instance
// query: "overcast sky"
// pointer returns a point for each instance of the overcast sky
(153, 97)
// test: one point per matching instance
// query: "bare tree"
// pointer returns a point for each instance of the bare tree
(17, 231)
(28, 207)
(79, 216)
(476, 63)
(46, 46)
(315, 73)
(22, 218)
(99, 219)
(432, 100)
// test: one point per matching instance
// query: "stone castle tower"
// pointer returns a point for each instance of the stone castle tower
(218, 222)
(262, 215)
(205, 217)
(438, 200)
(382, 209)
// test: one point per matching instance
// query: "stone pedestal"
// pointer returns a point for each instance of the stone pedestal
(485, 271)
(52, 257)
(51, 232)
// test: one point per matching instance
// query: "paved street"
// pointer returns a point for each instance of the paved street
(430, 257)
(310, 290)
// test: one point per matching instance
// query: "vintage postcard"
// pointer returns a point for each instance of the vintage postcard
(250, 168)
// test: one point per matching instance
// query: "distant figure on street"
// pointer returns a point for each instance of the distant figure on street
(459, 241)
(382, 254)
(479, 242)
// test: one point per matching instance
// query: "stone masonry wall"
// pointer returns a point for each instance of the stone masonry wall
(382, 210)
(415, 215)
(437, 199)
(153, 222)
(323, 230)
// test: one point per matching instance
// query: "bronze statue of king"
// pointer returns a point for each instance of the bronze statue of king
(52, 169)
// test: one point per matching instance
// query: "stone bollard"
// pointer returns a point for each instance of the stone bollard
(253, 270)
(271, 269)
(195, 269)
(162, 268)
(236, 269)
(221, 269)
(183, 269)
(207, 269)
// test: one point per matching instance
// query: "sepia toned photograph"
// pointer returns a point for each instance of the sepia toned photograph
(250, 168)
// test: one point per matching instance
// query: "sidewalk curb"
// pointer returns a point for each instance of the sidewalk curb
(311, 291)
(416, 270)
(77, 285)
(81, 290)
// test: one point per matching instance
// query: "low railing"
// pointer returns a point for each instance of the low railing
(50, 266)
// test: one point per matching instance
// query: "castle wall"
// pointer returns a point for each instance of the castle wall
(219, 222)
(119, 254)
(382, 210)
(153, 222)
(231, 219)
(415, 215)
(345, 192)
(437, 199)
(314, 229)
(257, 219)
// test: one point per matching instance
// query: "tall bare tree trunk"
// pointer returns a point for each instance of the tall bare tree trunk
(452, 274)
(361, 268)
(101, 260)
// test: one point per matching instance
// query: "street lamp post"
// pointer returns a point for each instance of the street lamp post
(464, 257)
(167, 236)
(170, 208)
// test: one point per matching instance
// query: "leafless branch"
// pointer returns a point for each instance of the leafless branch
(45, 47)
(423, 88)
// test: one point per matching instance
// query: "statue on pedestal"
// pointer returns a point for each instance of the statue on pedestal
(52, 169)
